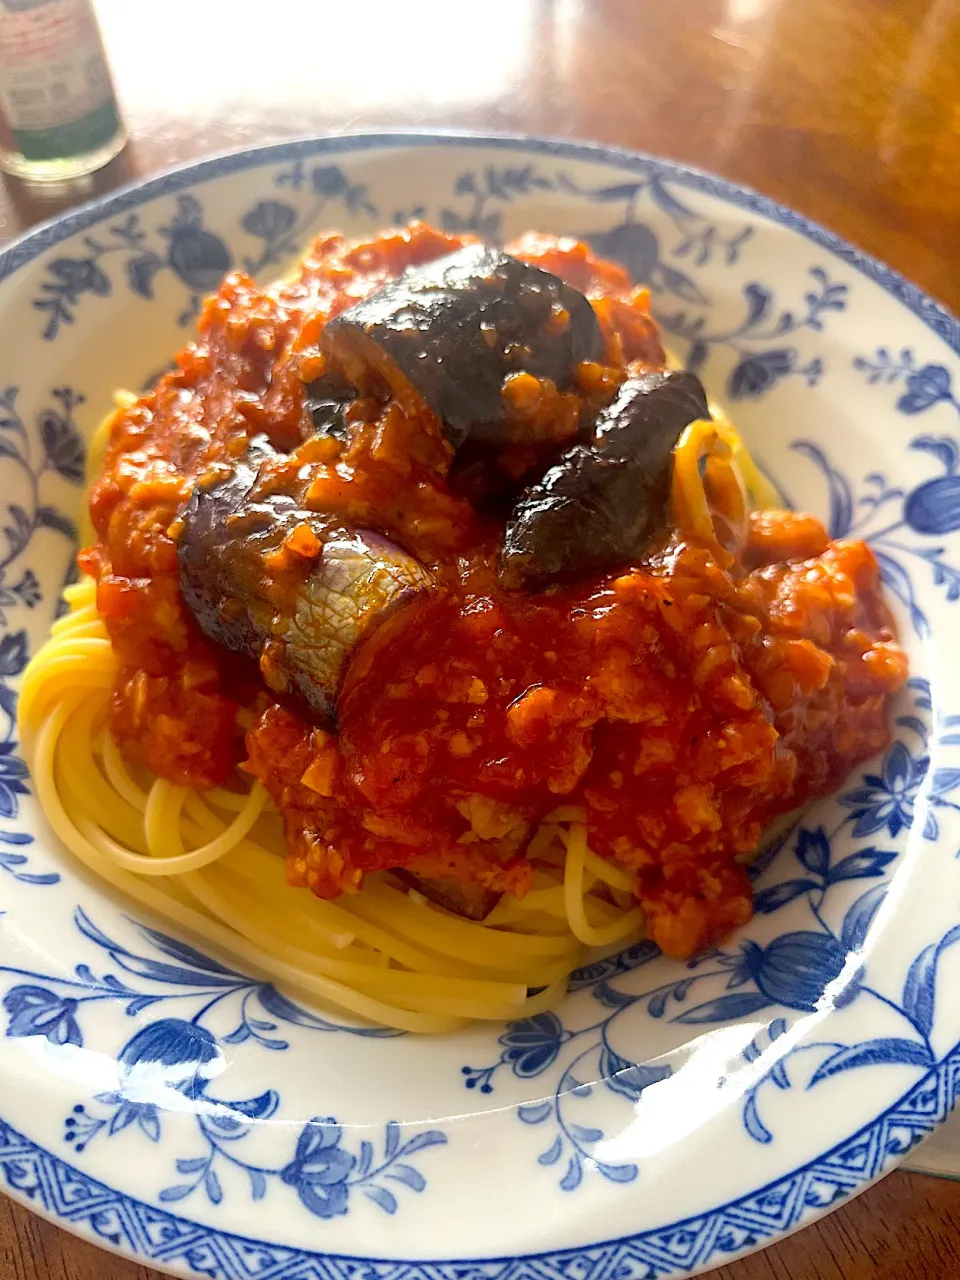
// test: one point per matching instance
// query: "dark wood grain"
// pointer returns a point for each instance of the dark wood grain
(907, 1228)
(844, 109)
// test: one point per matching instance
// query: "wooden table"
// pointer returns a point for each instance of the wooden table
(844, 109)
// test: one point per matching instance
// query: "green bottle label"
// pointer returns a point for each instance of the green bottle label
(55, 87)
(74, 139)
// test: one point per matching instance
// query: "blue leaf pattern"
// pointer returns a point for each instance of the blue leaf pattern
(944, 781)
(754, 1125)
(859, 918)
(552, 1154)
(380, 1196)
(726, 1008)
(617, 1172)
(574, 1174)
(535, 1113)
(778, 895)
(630, 1078)
(790, 972)
(186, 954)
(868, 862)
(841, 496)
(797, 970)
(892, 1052)
(919, 993)
(813, 850)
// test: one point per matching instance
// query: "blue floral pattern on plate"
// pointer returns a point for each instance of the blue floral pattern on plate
(195, 255)
(262, 1120)
(198, 257)
(54, 448)
(175, 1056)
(907, 518)
(283, 228)
(795, 970)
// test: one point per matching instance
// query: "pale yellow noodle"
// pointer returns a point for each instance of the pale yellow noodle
(225, 799)
(629, 923)
(608, 872)
(161, 821)
(212, 863)
(210, 929)
(273, 933)
(119, 775)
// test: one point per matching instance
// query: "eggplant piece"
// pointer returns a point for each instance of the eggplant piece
(581, 516)
(362, 578)
(326, 400)
(454, 329)
(300, 631)
(600, 504)
(470, 901)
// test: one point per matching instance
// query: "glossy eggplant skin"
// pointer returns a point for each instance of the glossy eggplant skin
(221, 544)
(600, 504)
(470, 901)
(300, 632)
(454, 329)
(361, 579)
(326, 400)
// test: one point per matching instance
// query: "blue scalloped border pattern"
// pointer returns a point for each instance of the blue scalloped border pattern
(113, 1219)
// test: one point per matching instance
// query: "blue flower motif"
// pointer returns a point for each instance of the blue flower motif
(169, 1054)
(532, 1045)
(269, 220)
(756, 374)
(13, 653)
(37, 1011)
(888, 798)
(80, 275)
(633, 244)
(329, 180)
(795, 969)
(197, 256)
(145, 1114)
(63, 446)
(933, 508)
(28, 589)
(320, 1169)
(275, 223)
(13, 771)
(926, 387)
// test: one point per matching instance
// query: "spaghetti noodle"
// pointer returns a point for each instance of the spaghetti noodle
(385, 955)
(719, 736)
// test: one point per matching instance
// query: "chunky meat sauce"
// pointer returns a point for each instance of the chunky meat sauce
(683, 699)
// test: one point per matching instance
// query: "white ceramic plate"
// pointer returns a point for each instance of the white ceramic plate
(667, 1117)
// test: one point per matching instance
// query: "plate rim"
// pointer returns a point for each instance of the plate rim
(499, 1267)
(37, 239)
(80, 1220)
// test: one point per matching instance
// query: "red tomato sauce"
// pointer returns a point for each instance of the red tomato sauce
(682, 703)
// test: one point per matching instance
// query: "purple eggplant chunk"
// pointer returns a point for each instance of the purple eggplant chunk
(302, 643)
(470, 901)
(455, 329)
(361, 579)
(600, 505)
(326, 400)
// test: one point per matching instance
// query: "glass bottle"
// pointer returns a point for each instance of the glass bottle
(58, 112)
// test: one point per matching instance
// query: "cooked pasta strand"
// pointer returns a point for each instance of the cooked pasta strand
(212, 863)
